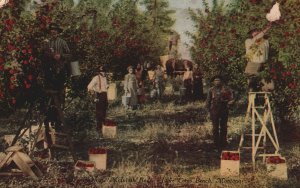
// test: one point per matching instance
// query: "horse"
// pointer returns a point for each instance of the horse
(176, 67)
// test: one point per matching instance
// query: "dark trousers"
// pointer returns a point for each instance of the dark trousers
(219, 120)
(101, 108)
(254, 83)
(198, 89)
(188, 85)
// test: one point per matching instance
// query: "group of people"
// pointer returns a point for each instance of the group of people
(219, 97)
(192, 83)
(135, 81)
(218, 101)
(134, 84)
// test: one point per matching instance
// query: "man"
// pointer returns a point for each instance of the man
(159, 81)
(219, 98)
(56, 54)
(98, 87)
(198, 85)
(173, 44)
(188, 80)
(55, 58)
(257, 50)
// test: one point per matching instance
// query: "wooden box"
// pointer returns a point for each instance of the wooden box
(112, 91)
(99, 156)
(88, 166)
(109, 131)
(276, 167)
(230, 163)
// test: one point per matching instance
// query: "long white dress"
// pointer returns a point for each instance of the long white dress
(130, 87)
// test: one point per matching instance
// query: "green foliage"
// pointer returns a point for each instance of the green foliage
(106, 32)
(159, 13)
(219, 46)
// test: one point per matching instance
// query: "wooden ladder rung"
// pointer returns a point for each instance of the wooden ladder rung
(251, 148)
(268, 155)
(258, 107)
(12, 174)
(251, 134)
(60, 146)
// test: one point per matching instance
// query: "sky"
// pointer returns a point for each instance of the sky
(183, 22)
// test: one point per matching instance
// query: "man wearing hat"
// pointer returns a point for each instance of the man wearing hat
(54, 60)
(56, 53)
(98, 87)
(219, 98)
(257, 50)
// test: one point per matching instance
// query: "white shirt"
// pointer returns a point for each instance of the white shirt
(94, 85)
(257, 52)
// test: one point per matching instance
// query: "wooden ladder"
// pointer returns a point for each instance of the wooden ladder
(22, 160)
(259, 116)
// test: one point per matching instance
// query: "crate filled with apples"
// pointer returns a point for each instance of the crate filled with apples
(109, 129)
(230, 163)
(276, 167)
(99, 156)
(84, 166)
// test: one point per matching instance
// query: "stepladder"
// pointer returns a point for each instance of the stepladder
(57, 140)
(16, 155)
(260, 122)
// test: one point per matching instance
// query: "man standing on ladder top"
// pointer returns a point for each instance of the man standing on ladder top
(55, 59)
(173, 44)
(219, 98)
(257, 50)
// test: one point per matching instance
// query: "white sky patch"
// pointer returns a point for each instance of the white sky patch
(184, 23)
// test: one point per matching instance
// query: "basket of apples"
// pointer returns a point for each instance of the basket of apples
(276, 166)
(230, 163)
(80, 166)
(109, 129)
(99, 156)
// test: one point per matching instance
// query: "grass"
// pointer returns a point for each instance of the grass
(163, 145)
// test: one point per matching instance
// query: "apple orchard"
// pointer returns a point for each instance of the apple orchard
(119, 35)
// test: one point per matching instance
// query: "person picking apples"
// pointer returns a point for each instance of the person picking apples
(257, 50)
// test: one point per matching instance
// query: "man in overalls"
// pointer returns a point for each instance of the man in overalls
(219, 98)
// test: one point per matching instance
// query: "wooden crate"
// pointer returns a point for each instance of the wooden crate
(81, 167)
(230, 163)
(112, 91)
(22, 160)
(277, 168)
(109, 131)
(100, 158)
